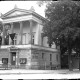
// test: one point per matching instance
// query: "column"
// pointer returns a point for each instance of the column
(21, 31)
(17, 59)
(42, 39)
(30, 32)
(37, 37)
(11, 31)
(11, 27)
(9, 64)
(9, 61)
(3, 36)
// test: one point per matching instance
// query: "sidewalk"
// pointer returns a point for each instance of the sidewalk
(39, 74)
(24, 71)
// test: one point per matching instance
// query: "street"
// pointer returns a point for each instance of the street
(39, 74)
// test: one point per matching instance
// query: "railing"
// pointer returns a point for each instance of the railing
(4, 67)
(39, 67)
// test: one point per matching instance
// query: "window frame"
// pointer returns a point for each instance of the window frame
(57, 57)
(23, 60)
(50, 57)
(43, 55)
(15, 39)
(33, 37)
(6, 59)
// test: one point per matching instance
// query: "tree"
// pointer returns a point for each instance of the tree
(1, 30)
(41, 2)
(63, 26)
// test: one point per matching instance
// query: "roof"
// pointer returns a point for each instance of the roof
(15, 12)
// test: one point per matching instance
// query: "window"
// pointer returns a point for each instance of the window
(5, 60)
(42, 55)
(57, 57)
(15, 39)
(24, 38)
(0, 40)
(35, 56)
(23, 60)
(50, 57)
(50, 63)
(33, 37)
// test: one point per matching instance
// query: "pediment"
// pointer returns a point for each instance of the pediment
(16, 12)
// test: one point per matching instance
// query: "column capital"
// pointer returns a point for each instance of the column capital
(20, 22)
(11, 23)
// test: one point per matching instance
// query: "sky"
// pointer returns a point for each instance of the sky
(6, 6)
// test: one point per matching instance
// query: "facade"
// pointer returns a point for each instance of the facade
(23, 45)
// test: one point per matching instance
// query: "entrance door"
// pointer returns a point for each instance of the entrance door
(13, 58)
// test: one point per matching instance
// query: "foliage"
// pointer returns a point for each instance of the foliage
(42, 2)
(1, 26)
(63, 25)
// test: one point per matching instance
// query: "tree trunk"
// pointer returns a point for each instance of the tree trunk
(79, 62)
(70, 60)
(50, 45)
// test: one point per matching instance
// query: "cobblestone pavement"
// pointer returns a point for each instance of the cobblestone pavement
(39, 74)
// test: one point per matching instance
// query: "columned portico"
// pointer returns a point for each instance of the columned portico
(12, 27)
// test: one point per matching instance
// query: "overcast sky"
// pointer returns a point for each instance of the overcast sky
(5, 6)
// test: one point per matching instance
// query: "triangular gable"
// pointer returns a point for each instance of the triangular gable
(16, 12)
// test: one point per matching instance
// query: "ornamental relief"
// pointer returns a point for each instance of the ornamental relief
(7, 26)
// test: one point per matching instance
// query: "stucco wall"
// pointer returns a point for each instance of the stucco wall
(44, 62)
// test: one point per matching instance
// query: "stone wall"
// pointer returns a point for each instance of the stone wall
(35, 58)
(25, 53)
(3, 54)
(44, 62)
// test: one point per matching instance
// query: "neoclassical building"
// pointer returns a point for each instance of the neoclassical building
(23, 44)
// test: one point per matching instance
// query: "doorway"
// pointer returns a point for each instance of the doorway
(64, 62)
(13, 58)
